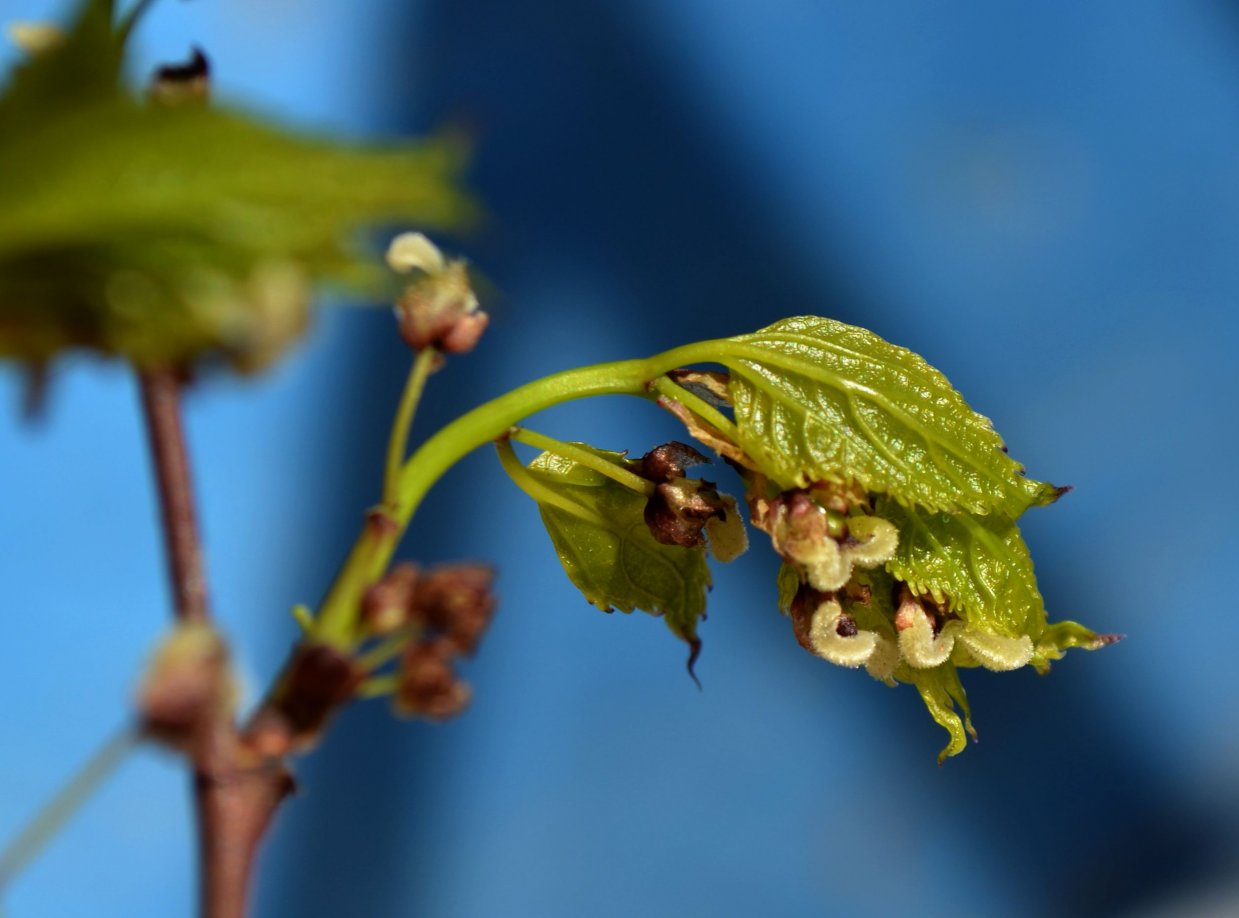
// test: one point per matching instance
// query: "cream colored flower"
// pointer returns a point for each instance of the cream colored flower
(413, 251)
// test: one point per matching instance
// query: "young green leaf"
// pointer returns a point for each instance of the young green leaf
(941, 691)
(600, 535)
(979, 566)
(818, 400)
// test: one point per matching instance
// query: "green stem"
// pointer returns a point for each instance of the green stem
(387, 649)
(585, 457)
(337, 620)
(378, 686)
(697, 405)
(398, 443)
(68, 800)
(523, 479)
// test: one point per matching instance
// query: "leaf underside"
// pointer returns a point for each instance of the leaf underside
(598, 529)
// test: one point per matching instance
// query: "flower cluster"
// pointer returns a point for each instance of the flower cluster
(910, 571)
(434, 618)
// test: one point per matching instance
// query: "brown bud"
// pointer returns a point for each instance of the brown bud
(319, 680)
(179, 84)
(457, 600)
(186, 684)
(428, 685)
(668, 461)
(678, 511)
(804, 606)
(389, 604)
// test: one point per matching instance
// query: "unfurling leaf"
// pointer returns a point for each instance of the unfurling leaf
(599, 532)
(818, 400)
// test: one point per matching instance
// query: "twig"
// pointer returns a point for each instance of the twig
(161, 402)
(235, 795)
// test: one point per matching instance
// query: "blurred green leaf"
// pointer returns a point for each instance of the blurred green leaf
(599, 532)
(82, 69)
(161, 234)
(818, 400)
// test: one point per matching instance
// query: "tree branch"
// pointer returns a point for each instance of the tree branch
(235, 792)
(161, 403)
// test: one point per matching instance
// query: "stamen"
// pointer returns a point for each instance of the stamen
(997, 652)
(842, 649)
(918, 644)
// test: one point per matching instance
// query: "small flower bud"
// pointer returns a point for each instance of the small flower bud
(388, 605)
(800, 532)
(821, 543)
(440, 310)
(428, 685)
(457, 600)
(463, 336)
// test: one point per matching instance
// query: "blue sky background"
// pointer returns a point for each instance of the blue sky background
(1041, 198)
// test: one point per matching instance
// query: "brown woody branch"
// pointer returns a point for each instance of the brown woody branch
(236, 792)
(161, 403)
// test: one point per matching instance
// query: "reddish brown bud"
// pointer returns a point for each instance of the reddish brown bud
(318, 681)
(457, 601)
(677, 512)
(668, 461)
(428, 685)
(463, 336)
(440, 310)
(389, 604)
